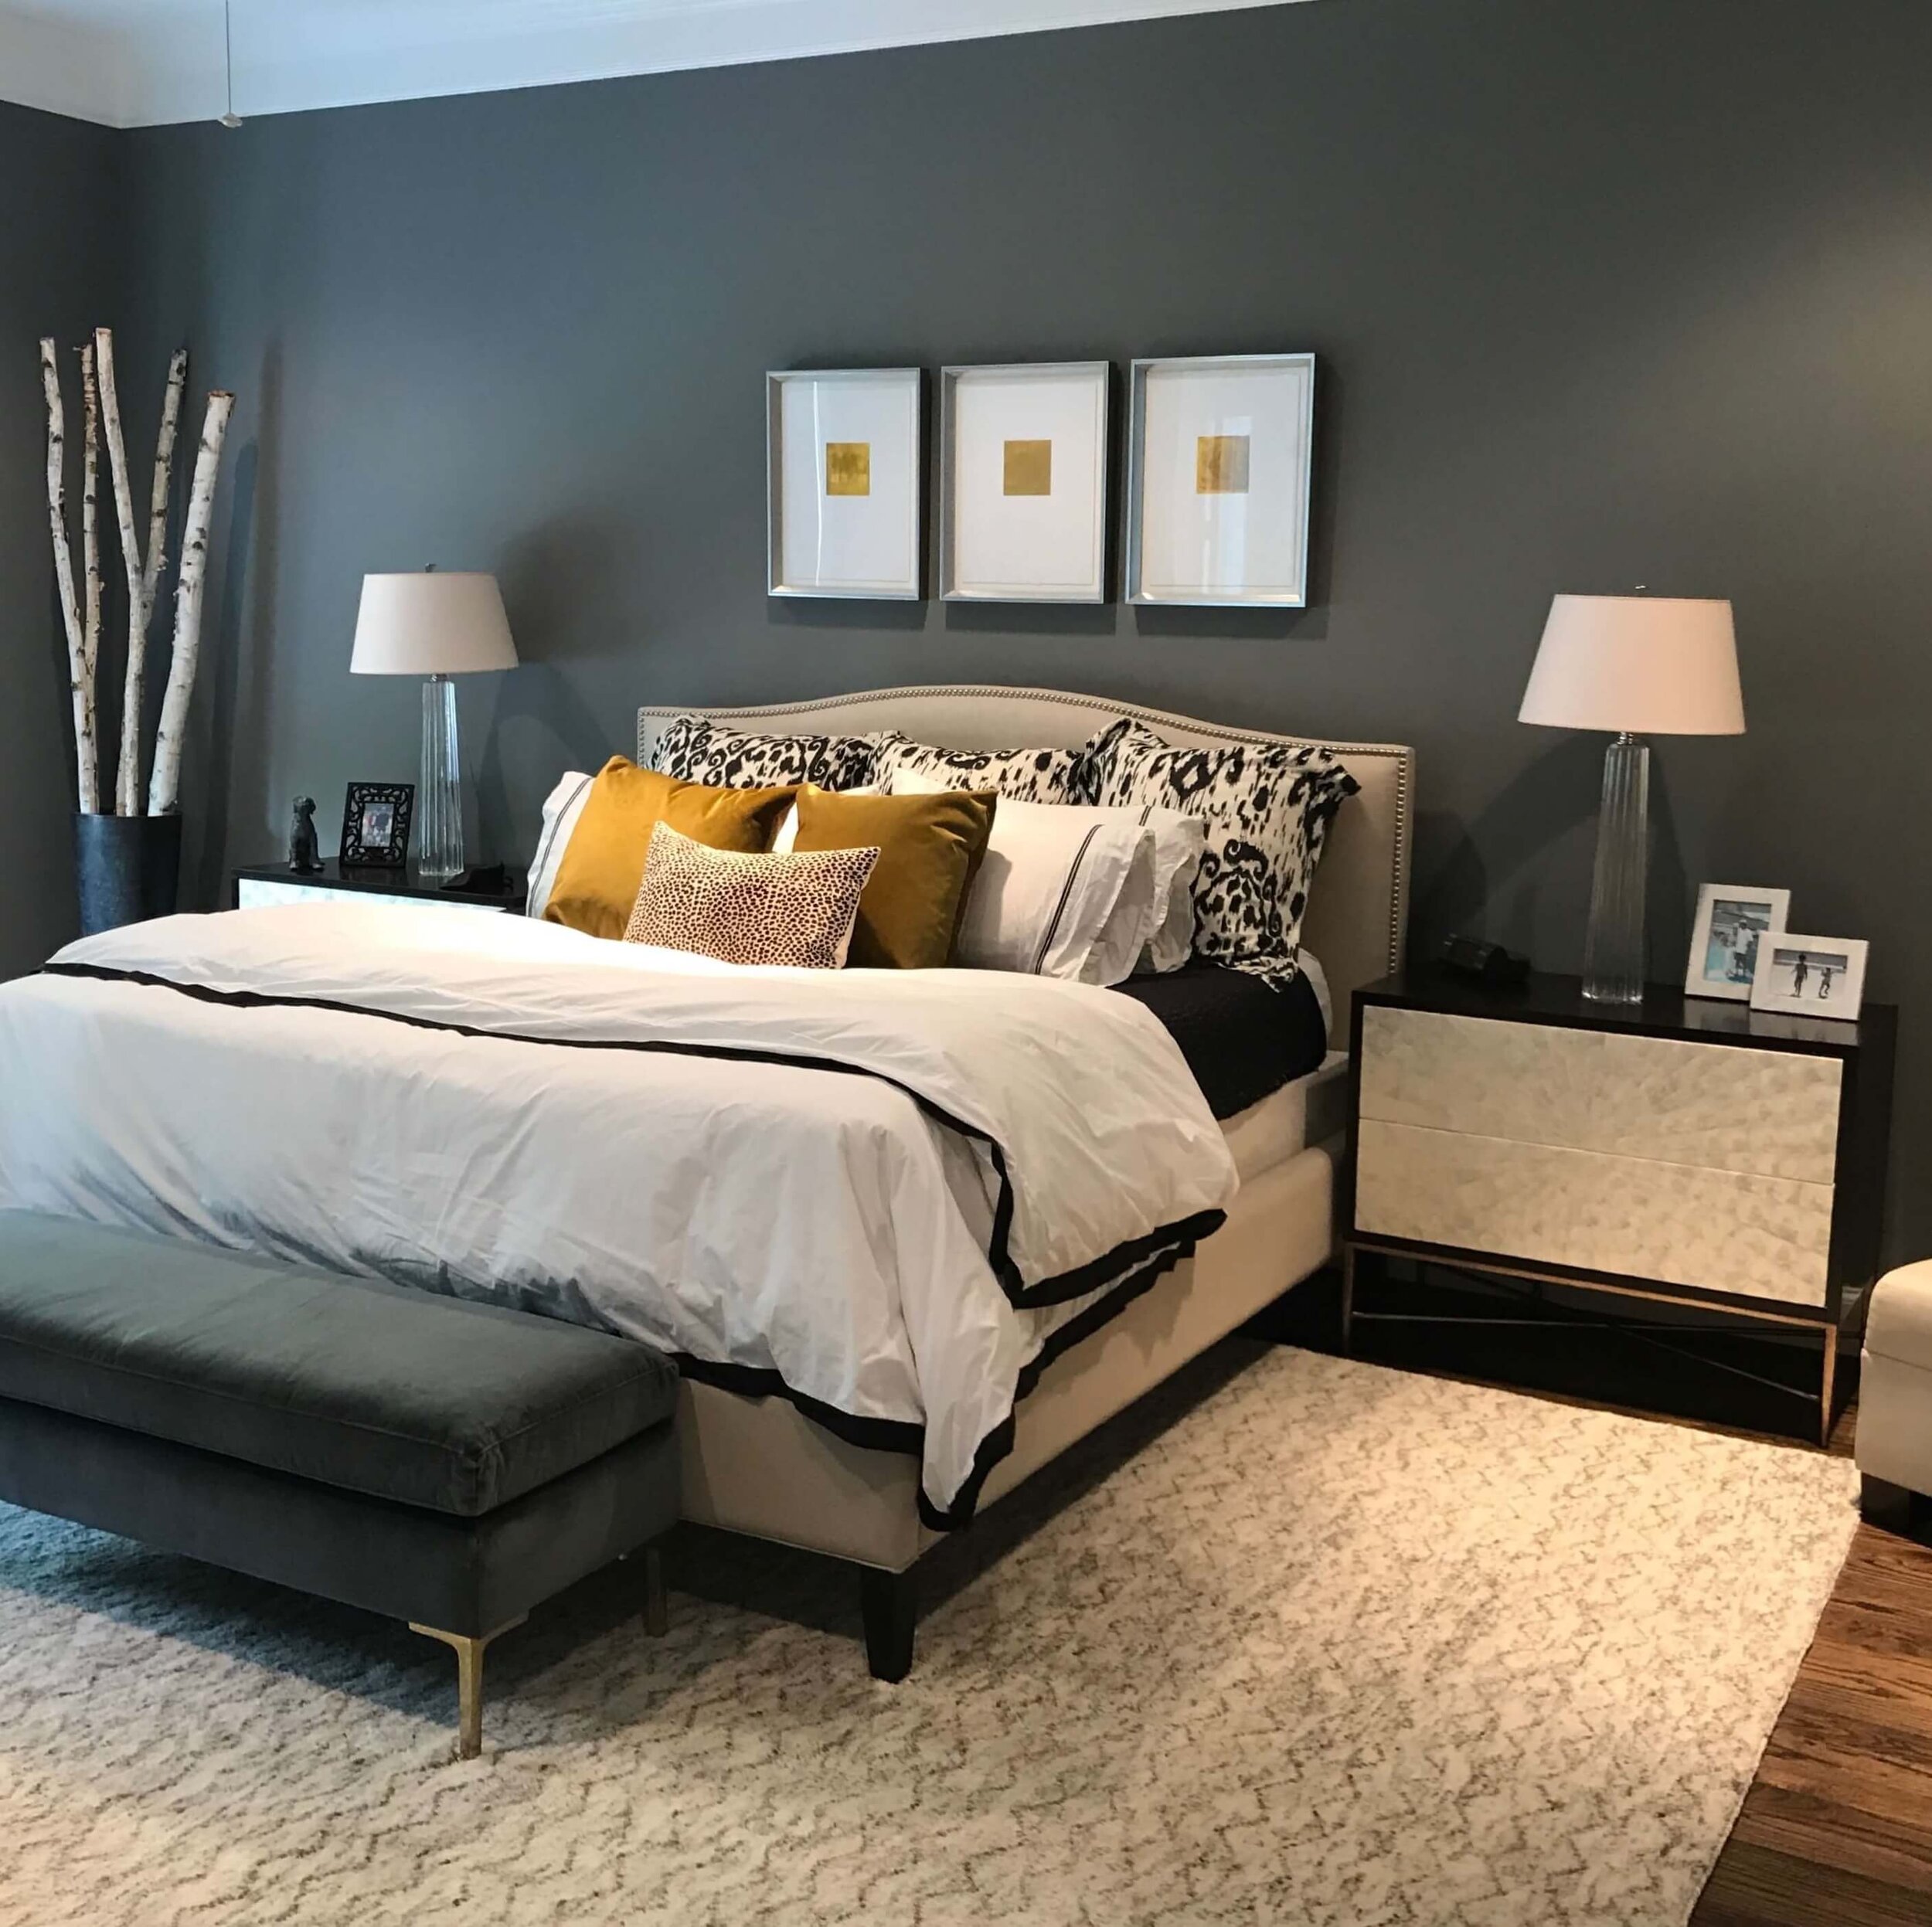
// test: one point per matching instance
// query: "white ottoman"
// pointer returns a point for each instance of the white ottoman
(1895, 1392)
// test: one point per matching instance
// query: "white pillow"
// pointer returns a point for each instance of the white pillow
(785, 837)
(561, 809)
(1064, 891)
(1178, 840)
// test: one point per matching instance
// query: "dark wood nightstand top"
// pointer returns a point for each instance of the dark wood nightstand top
(405, 882)
(1665, 1012)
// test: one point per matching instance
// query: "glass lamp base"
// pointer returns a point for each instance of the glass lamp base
(439, 796)
(1613, 949)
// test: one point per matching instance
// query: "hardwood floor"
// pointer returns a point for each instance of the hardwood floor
(1837, 1826)
(1836, 1830)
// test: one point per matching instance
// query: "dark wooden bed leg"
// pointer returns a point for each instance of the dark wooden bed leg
(657, 1604)
(890, 1604)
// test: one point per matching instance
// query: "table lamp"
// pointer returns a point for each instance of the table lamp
(1635, 665)
(436, 625)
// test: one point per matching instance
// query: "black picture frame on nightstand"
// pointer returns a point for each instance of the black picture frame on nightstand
(375, 825)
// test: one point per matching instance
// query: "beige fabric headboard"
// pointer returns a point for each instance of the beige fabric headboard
(1358, 917)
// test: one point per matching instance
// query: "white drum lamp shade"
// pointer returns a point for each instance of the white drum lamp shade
(437, 626)
(1652, 665)
(431, 623)
(1634, 665)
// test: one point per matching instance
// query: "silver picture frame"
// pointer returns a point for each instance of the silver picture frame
(1733, 921)
(1069, 565)
(904, 469)
(1287, 464)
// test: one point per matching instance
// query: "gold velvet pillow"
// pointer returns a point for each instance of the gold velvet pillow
(597, 881)
(930, 850)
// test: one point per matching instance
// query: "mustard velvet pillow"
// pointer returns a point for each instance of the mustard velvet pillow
(603, 865)
(930, 850)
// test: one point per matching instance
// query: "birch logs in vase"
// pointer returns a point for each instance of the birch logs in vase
(142, 566)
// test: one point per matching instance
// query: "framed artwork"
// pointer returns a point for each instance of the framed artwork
(1810, 975)
(375, 825)
(1732, 919)
(1022, 482)
(1219, 456)
(846, 453)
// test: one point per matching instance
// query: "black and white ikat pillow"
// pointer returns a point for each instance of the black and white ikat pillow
(1266, 807)
(1025, 775)
(696, 750)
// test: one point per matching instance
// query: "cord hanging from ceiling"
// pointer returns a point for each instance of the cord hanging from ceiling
(231, 118)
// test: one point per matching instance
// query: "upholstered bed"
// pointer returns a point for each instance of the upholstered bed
(757, 1465)
(908, 1233)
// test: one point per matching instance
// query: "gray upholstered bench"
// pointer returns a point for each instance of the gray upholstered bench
(448, 1463)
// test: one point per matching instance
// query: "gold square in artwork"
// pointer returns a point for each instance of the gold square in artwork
(848, 468)
(1221, 465)
(1029, 468)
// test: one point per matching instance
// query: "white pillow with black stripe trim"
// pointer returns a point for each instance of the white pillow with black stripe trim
(561, 809)
(1179, 841)
(1064, 891)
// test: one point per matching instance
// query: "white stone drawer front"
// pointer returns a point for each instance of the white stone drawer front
(1720, 1107)
(1719, 1230)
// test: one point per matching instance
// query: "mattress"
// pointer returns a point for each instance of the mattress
(1309, 1109)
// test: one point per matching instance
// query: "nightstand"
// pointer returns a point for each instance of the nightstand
(256, 884)
(1687, 1150)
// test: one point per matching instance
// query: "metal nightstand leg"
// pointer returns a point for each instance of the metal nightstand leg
(1348, 1295)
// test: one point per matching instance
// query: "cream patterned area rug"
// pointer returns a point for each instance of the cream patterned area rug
(1313, 1642)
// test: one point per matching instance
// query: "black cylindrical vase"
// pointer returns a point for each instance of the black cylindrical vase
(128, 868)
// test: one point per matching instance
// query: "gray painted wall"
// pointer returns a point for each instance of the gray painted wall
(1602, 295)
(60, 247)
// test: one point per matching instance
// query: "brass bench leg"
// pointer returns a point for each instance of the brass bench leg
(657, 1608)
(469, 1680)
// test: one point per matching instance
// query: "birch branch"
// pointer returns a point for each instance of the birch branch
(141, 577)
(63, 555)
(90, 566)
(127, 771)
(163, 794)
(164, 465)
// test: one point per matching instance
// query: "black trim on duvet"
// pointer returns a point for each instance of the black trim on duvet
(1133, 1267)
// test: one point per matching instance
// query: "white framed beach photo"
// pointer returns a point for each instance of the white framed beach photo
(1732, 919)
(1811, 976)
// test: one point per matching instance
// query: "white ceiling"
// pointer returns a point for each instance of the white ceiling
(141, 63)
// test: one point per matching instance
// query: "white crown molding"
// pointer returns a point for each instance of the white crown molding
(161, 62)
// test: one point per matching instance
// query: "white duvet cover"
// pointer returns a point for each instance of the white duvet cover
(880, 1193)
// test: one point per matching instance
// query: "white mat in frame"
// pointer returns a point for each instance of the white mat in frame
(1023, 472)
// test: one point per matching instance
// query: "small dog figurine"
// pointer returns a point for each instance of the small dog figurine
(305, 854)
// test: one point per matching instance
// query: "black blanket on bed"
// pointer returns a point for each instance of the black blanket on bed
(1241, 1038)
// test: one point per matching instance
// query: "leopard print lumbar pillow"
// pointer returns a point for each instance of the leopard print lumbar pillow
(1266, 807)
(798, 910)
(1026, 775)
(695, 750)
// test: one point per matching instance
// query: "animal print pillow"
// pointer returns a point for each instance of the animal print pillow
(797, 909)
(1267, 807)
(1026, 775)
(700, 751)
